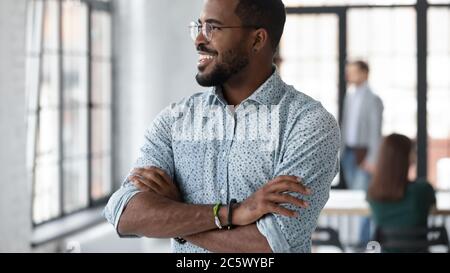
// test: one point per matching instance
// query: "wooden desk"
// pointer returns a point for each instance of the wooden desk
(352, 202)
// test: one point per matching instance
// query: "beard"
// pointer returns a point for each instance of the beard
(232, 63)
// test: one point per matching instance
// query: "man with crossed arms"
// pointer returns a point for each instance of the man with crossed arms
(182, 186)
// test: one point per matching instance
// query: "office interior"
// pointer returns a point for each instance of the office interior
(81, 80)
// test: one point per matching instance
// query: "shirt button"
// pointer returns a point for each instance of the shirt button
(222, 191)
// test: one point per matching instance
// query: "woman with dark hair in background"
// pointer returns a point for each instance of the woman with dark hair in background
(396, 202)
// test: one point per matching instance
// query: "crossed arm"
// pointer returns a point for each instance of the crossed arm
(158, 211)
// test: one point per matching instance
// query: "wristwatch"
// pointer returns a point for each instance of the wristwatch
(230, 213)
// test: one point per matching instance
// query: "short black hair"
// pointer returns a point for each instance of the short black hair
(362, 65)
(267, 14)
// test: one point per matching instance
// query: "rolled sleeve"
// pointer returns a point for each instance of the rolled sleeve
(270, 229)
(116, 204)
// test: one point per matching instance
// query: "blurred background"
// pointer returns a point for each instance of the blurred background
(81, 80)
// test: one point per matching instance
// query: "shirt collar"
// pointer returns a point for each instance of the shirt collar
(363, 87)
(269, 93)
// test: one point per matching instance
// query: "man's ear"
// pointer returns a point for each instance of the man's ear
(261, 39)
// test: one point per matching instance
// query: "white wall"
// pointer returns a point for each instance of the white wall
(14, 191)
(155, 61)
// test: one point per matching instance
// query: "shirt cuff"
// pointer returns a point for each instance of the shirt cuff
(116, 204)
(270, 229)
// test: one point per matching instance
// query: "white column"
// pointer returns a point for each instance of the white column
(15, 198)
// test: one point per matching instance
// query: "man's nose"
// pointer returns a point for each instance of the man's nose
(200, 39)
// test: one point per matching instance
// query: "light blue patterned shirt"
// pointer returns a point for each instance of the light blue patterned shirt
(216, 152)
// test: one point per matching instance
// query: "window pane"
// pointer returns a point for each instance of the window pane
(74, 34)
(101, 83)
(51, 25)
(101, 177)
(101, 34)
(49, 92)
(75, 184)
(75, 159)
(75, 133)
(75, 82)
(46, 190)
(439, 97)
(386, 38)
(46, 176)
(298, 3)
(47, 140)
(309, 52)
(101, 130)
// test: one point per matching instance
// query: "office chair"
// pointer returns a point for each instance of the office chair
(326, 237)
(411, 240)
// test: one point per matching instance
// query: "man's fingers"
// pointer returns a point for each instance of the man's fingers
(286, 178)
(285, 198)
(163, 174)
(140, 185)
(144, 178)
(156, 171)
(145, 183)
(138, 182)
(273, 208)
(149, 176)
(156, 178)
(289, 185)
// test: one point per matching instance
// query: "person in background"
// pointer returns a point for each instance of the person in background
(395, 201)
(361, 127)
(361, 134)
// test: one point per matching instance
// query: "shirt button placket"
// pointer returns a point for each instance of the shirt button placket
(230, 131)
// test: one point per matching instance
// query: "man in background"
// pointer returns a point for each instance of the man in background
(361, 127)
(361, 133)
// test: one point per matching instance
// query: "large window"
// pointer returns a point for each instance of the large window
(310, 54)
(386, 38)
(69, 105)
(321, 35)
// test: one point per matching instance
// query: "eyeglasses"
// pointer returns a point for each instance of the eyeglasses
(207, 29)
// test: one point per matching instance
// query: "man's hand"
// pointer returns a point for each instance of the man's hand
(268, 200)
(155, 180)
(366, 166)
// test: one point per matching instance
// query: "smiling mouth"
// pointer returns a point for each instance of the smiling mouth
(204, 60)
